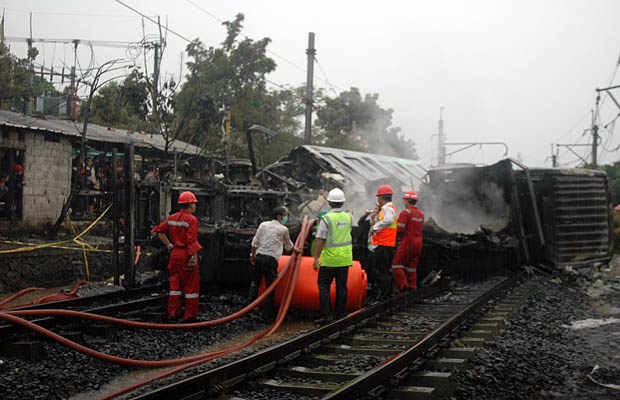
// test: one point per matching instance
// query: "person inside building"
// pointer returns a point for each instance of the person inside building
(4, 190)
(333, 255)
(16, 191)
(383, 241)
(268, 243)
(409, 250)
(183, 265)
(152, 175)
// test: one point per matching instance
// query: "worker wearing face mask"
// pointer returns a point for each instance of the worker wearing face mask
(271, 238)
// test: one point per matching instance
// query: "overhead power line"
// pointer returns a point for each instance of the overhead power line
(153, 21)
(246, 37)
(99, 43)
(70, 14)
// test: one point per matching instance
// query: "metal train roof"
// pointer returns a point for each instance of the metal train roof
(94, 132)
(365, 171)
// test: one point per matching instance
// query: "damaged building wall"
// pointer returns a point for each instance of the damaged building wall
(47, 174)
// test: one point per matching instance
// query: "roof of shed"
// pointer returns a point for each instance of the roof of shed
(94, 132)
(365, 171)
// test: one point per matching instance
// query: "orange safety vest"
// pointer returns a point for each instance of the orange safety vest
(387, 235)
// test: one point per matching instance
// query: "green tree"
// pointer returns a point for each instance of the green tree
(15, 88)
(613, 177)
(231, 77)
(124, 105)
(355, 123)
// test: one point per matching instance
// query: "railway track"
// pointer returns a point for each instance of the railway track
(125, 303)
(389, 349)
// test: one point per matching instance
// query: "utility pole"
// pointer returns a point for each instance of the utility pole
(554, 158)
(594, 146)
(441, 148)
(309, 81)
(595, 135)
(72, 107)
(595, 131)
(31, 62)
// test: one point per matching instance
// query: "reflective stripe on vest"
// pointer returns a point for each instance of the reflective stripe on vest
(387, 235)
(338, 249)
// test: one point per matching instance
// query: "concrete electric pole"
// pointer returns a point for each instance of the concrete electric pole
(309, 81)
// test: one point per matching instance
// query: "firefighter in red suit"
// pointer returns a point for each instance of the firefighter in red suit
(409, 228)
(182, 227)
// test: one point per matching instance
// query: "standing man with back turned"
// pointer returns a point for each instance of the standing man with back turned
(183, 264)
(383, 239)
(267, 246)
(334, 253)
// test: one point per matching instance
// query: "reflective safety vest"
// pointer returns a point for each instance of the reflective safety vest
(387, 235)
(338, 248)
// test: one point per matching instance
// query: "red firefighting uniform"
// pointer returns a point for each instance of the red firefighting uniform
(182, 228)
(405, 262)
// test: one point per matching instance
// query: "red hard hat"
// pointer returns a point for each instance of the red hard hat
(411, 195)
(17, 168)
(187, 197)
(384, 189)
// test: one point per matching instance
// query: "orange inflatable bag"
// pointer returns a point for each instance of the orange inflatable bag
(306, 292)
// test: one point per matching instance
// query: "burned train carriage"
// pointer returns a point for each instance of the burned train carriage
(229, 208)
(573, 217)
(479, 220)
(484, 219)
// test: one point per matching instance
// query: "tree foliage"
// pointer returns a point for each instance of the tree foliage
(231, 77)
(613, 177)
(123, 105)
(231, 80)
(352, 122)
(15, 75)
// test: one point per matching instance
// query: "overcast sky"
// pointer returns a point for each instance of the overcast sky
(521, 72)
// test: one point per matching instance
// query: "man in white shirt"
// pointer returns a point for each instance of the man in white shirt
(271, 238)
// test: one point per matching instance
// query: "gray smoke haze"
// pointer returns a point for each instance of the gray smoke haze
(461, 208)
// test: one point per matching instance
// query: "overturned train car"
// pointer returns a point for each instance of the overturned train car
(503, 216)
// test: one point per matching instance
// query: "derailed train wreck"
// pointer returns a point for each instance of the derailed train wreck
(478, 219)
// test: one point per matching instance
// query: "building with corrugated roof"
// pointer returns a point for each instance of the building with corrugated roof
(45, 148)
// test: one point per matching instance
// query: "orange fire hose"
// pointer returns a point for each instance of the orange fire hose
(291, 276)
(287, 274)
(17, 295)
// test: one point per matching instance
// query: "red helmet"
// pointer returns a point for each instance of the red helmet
(384, 189)
(411, 195)
(187, 197)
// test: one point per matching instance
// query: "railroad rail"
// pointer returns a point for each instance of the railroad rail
(112, 303)
(360, 356)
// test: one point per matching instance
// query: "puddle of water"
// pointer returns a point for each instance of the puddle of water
(591, 323)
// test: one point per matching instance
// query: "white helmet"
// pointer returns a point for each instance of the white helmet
(335, 196)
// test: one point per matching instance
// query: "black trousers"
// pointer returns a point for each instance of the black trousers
(266, 266)
(326, 276)
(383, 270)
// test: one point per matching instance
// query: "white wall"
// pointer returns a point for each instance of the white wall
(47, 176)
